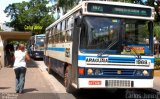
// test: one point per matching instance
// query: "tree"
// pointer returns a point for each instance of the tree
(29, 13)
(65, 5)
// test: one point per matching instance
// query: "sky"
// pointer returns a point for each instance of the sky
(3, 5)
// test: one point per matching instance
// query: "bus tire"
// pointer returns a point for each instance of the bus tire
(67, 79)
(50, 70)
(49, 67)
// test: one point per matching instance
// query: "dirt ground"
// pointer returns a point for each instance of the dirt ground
(157, 72)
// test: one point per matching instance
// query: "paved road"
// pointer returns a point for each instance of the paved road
(41, 85)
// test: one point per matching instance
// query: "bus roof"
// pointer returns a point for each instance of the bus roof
(83, 3)
(118, 3)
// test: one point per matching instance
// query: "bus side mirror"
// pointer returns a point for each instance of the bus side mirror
(78, 21)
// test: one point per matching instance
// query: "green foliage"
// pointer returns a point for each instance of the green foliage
(30, 13)
(157, 63)
(65, 4)
(18, 42)
(156, 30)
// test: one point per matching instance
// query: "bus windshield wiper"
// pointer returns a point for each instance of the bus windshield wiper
(109, 46)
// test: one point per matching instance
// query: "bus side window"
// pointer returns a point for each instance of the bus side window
(69, 30)
(58, 32)
(46, 40)
(68, 35)
(63, 31)
(50, 39)
(55, 32)
(52, 35)
(66, 29)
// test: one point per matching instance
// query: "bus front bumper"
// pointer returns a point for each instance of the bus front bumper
(115, 83)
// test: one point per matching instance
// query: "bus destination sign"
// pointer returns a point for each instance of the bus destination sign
(120, 10)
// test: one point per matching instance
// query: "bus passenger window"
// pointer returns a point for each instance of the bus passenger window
(63, 36)
(68, 35)
(53, 39)
(56, 38)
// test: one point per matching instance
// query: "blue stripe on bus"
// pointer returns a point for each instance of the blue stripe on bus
(111, 58)
(57, 49)
(116, 59)
(118, 77)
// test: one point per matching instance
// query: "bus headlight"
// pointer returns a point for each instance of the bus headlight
(90, 71)
(139, 73)
(98, 72)
(36, 53)
(142, 73)
(145, 73)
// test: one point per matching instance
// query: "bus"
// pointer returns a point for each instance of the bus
(100, 44)
(35, 46)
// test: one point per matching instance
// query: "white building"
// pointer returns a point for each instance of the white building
(6, 28)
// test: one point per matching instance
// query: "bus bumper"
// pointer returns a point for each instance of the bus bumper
(115, 83)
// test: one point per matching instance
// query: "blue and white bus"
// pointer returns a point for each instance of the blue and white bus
(35, 46)
(100, 44)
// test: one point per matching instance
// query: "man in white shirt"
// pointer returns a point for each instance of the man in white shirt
(20, 56)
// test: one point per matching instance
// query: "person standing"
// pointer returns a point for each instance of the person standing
(19, 66)
(9, 49)
(7, 55)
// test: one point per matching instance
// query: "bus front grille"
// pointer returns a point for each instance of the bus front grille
(118, 83)
(118, 72)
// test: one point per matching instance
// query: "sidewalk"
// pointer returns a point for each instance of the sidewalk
(35, 81)
(156, 80)
(157, 73)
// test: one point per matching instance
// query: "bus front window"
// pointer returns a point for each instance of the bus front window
(39, 43)
(113, 36)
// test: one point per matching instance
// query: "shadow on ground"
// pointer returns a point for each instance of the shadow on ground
(30, 90)
(32, 64)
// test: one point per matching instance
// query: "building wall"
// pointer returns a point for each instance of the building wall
(1, 52)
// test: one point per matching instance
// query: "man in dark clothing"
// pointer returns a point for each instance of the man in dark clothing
(9, 54)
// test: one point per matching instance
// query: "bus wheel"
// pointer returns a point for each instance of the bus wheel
(50, 70)
(49, 67)
(67, 79)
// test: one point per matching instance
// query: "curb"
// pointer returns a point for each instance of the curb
(57, 86)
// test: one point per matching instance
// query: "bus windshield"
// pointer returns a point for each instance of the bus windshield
(114, 36)
(39, 42)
